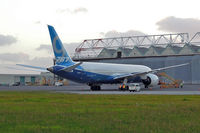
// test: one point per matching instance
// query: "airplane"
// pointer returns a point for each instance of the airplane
(95, 74)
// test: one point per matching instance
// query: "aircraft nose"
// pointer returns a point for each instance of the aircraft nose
(50, 69)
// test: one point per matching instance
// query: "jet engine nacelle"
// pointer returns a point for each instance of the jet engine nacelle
(151, 80)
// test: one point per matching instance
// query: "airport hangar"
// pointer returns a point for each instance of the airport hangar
(155, 51)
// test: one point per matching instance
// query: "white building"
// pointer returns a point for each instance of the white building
(26, 79)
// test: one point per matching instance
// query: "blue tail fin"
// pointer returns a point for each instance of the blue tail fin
(59, 51)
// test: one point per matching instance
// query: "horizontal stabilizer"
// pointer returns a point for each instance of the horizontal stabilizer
(43, 69)
(70, 68)
(24, 69)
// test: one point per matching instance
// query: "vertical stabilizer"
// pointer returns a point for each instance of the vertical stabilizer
(60, 53)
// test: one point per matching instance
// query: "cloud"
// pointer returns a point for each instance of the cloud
(63, 10)
(70, 47)
(74, 11)
(81, 9)
(37, 22)
(17, 58)
(114, 33)
(14, 57)
(41, 61)
(174, 24)
(8, 63)
(7, 40)
(45, 47)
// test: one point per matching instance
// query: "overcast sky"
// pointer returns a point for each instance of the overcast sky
(24, 36)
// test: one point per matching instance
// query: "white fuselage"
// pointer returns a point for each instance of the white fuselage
(113, 69)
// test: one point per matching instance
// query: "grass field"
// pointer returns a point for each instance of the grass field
(43, 112)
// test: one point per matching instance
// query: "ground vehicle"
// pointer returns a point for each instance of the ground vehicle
(134, 87)
(58, 84)
(16, 84)
(172, 83)
(130, 87)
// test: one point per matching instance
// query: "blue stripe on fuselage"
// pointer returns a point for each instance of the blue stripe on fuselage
(84, 77)
(81, 76)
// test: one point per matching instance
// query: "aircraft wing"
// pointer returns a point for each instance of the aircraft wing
(164, 68)
(144, 73)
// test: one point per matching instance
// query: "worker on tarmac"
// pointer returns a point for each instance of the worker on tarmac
(181, 84)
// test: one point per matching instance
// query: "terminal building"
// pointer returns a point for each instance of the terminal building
(154, 51)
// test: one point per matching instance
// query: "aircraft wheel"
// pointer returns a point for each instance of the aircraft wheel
(95, 88)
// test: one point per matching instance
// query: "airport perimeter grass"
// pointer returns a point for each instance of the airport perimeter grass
(29, 112)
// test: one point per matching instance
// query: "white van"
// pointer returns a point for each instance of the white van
(58, 84)
(134, 87)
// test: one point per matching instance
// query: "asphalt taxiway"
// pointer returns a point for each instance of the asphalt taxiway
(106, 89)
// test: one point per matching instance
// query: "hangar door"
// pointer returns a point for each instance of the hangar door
(32, 80)
(22, 80)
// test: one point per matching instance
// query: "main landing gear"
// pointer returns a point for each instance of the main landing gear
(95, 87)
